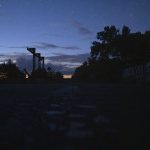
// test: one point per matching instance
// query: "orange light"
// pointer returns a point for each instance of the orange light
(67, 76)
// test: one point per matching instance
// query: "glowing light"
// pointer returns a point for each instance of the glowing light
(27, 76)
(67, 76)
(14, 61)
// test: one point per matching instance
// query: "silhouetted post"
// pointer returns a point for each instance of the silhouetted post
(38, 55)
(43, 62)
(32, 51)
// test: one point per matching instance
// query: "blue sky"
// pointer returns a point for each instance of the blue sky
(60, 29)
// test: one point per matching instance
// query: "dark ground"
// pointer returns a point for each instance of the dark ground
(74, 116)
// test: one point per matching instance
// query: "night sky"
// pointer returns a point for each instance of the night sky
(63, 30)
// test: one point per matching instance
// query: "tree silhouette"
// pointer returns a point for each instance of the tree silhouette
(11, 70)
(48, 74)
(103, 47)
(113, 51)
(39, 74)
(125, 31)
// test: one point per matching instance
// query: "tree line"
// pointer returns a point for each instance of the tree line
(10, 72)
(113, 51)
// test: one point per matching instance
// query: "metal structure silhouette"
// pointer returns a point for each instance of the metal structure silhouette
(40, 59)
(32, 51)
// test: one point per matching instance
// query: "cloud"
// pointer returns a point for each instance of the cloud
(26, 62)
(82, 29)
(15, 47)
(80, 58)
(61, 68)
(43, 45)
(61, 62)
(22, 60)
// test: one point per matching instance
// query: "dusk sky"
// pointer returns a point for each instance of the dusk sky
(63, 30)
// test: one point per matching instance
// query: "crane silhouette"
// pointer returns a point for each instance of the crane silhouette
(40, 59)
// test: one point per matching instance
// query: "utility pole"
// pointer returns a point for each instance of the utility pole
(42, 59)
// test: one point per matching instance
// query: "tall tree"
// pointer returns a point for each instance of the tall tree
(103, 48)
(113, 50)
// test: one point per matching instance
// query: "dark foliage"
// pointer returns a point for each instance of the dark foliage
(48, 75)
(39, 73)
(54, 76)
(11, 71)
(113, 51)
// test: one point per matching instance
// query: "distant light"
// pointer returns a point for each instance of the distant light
(27, 76)
(14, 61)
(67, 76)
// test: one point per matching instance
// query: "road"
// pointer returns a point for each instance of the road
(74, 116)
